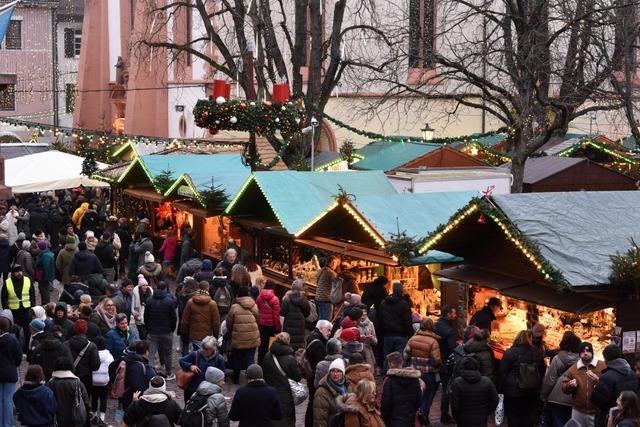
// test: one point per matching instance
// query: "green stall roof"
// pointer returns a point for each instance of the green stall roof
(388, 156)
(434, 257)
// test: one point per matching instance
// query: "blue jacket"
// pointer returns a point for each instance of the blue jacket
(10, 358)
(137, 376)
(46, 263)
(36, 405)
(255, 405)
(116, 343)
(217, 361)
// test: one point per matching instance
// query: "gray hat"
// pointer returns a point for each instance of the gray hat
(213, 375)
(6, 313)
(254, 372)
(398, 289)
(22, 236)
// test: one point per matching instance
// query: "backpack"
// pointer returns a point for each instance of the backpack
(307, 369)
(528, 376)
(222, 297)
(194, 413)
(117, 379)
(312, 318)
(336, 290)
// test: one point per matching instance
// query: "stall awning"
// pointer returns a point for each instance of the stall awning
(355, 251)
(522, 289)
(144, 194)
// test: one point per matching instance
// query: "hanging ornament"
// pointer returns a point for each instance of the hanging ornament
(233, 120)
(252, 103)
(482, 219)
(220, 100)
(217, 122)
(277, 120)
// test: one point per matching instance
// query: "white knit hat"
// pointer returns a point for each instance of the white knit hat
(337, 364)
(148, 257)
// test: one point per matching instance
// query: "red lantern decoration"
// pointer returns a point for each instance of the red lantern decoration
(221, 88)
(280, 92)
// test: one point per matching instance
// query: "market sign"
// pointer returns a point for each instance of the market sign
(186, 191)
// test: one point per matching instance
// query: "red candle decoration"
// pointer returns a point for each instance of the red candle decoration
(221, 88)
(280, 92)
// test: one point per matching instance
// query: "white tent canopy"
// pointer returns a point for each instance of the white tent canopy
(50, 170)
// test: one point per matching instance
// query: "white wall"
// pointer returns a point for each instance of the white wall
(68, 72)
(502, 185)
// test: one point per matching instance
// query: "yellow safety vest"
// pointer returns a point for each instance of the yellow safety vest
(14, 302)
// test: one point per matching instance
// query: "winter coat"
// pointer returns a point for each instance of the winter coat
(357, 414)
(322, 368)
(325, 405)
(160, 313)
(125, 239)
(63, 322)
(63, 261)
(38, 220)
(445, 330)
(616, 378)
(90, 361)
(140, 248)
(57, 220)
(216, 403)
(395, 317)
(186, 250)
(373, 295)
(46, 263)
(152, 271)
(216, 360)
(65, 386)
(118, 341)
(295, 308)
(149, 406)
(139, 303)
(357, 372)
(473, 398)
(483, 318)
(323, 289)
(10, 358)
(269, 308)
(255, 405)
(369, 340)
(201, 318)
(350, 348)
(401, 397)
(83, 264)
(124, 303)
(552, 384)
(137, 376)
(189, 268)
(273, 377)
(423, 351)
(510, 368)
(581, 395)
(484, 355)
(48, 352)
(25, 259)
(102, 324)
(36, 405)
(242, 321)
(100, 376)
(168, 248)
(5, 256)
(106, 254)
(316, 348)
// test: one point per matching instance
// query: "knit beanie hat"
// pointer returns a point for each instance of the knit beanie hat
(37, 325)
(254, 372)
(350, 334)
(148, 257)
(612, 352)
(70, 240)
(7, 314)
(337, 364)
(80, 327)
(213, 375)
(42, 245)
(21, 236)
(585, 346)
(355, 313)
(142, 280)
(348, 322)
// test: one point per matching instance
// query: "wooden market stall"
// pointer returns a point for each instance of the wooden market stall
(547, 257)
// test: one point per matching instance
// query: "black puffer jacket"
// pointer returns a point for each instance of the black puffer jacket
(510, 368)
(316, 349)
(48, 352)
(90, 360)
(395, 317)
(160, 313)
(275, 379)
(401, 396)
(83, 264)
(295, 308)
(473, 398)
(616, 378)
(484, 355)
(65, 385)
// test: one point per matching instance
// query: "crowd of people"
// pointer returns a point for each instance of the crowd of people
(363, 358)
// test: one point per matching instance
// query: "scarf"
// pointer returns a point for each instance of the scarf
(109, 319)
(341, 388)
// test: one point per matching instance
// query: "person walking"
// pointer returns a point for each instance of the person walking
(423, 353)
(10, 359)
(324, 281)
(46, 271)
(140, 250)
(24, 258)
(558, 404)
(154, 407)
(242, 322)
(138, 372)
(18, 295)
(51, 349)
(579, 381)
(200, 317)
(356, 371)
(106, 253)
(63, 260)
(473, 396)
(255, 404)
(168, 251)
(139, 297)
(627, 410)
(269, 323)
(100, 377)
(363, 399)
(477, 345)
(315, 352)
(206, 272)
(61, 318)
(5, 257)
(295, 309)
(120, 337)
(616, 377)
(70, 394)
(520, 380)
(395, 318)
(84, 354)
(124, 299)
(160, 318)
(35, 403)
(401, 393)
(446, 330)
(84, 263)
(211, 390)
(105, 316)
(184, 292)
(199, 361)
(279, 366)
(330, 387)
(151, 270)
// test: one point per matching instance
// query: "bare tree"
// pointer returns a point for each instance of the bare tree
(534, 65)
(301, 41)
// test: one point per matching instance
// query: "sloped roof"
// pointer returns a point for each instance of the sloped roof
(296, 198)
(537, 169)
(11, 150)
(323, 158)
(577, 232)
(388, 156)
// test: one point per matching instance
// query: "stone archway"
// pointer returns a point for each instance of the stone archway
(327, 139)
(9, 138)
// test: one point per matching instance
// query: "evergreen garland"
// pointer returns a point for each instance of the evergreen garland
(625, 268)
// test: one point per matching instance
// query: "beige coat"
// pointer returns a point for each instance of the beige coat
(242, 321)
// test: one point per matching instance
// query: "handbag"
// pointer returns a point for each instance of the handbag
(184, 378)
(499, 417)
(299, 391)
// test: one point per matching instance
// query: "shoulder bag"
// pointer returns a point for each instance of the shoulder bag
(75, 362)
(299, 391)
(184, 378)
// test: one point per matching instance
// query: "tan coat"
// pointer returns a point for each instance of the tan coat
(581, 395)
(242, 321)
(424, 351)
(365, 417)
(358, 372)
(200, 318)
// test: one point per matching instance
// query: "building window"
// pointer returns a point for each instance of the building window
(7, 97)
(70, 97)
(13, 37)
(72, 42)
(421, 33)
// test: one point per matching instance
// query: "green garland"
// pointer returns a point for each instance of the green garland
(263, 118)
(625, 268)
(584, 142)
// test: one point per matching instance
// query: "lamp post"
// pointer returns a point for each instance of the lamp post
(427, 132)
(312, 130)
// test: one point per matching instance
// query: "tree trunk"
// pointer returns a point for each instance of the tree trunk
(518, 159)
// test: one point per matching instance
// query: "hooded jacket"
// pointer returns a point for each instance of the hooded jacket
(484, 355)
(273, 377)
(63, 261)
(424, 351)
(295, 308)
(90, 360)
(201, 318)
(160, 313)
(552, 384)
(242, 321)
(357, 372)
(65, 385)
(325, 403)
(48, 352)
(64, 322)
(106, 254)
(473, 398)
(616, 378)
(395, 317)
(150, 405)
(152, 271)
(83, 264)
(46, 263)
(216, 403)
(25, 259)
(269, 308)
(356, 414)
(101, 375)
(401, 397)
(168, 248)
(36, 405)
(78, 214)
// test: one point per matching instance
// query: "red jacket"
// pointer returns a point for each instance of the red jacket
(269, 307)
(168, 248)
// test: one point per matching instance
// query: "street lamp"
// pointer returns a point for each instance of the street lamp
(427, 132)
(312, 130)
